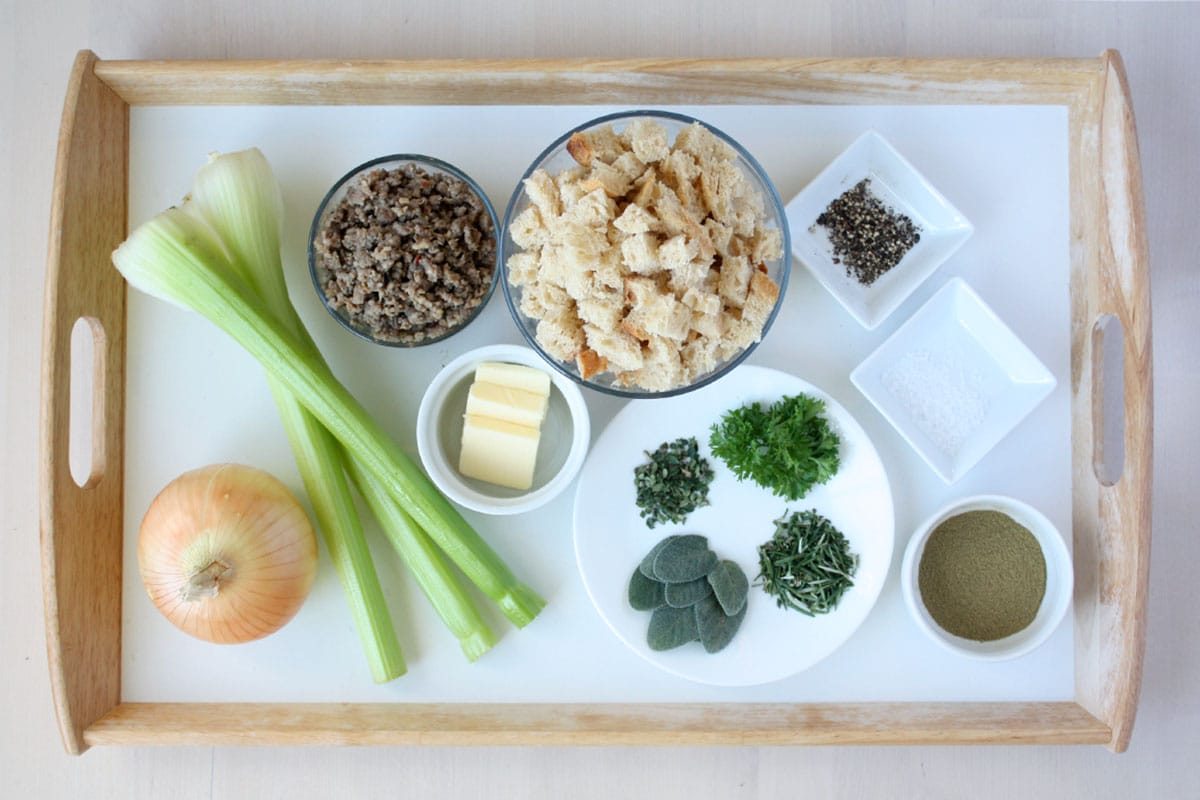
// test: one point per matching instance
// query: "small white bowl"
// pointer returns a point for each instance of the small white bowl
(566, 434)
(1060, 580)
(898, 184)
(953, 380)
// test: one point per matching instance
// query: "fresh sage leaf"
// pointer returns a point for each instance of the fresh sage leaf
(730, 585)
(645, 594)
(671, 628)
(684, 558)
(682, 595)
(716, 628)
(647, 565)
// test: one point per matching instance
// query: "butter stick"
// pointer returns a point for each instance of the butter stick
(516, 376)
(507, 403)
(498, 451)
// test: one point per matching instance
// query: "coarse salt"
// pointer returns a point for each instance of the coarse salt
(942, 392)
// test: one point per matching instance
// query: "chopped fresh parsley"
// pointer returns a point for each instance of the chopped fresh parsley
(788, 447)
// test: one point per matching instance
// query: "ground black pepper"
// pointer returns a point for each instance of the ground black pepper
(868, 237)
(408, 254)
(982, 575)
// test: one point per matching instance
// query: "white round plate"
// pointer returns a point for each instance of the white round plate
(611, 538)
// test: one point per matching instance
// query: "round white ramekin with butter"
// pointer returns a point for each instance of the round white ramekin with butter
(503, 437)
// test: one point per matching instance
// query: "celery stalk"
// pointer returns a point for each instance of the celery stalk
(319, 457)
(425, 561)
(174, 257)
(239, 198)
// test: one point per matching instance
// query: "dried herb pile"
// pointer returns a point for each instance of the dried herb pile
(673, 482)
(807, 565)
(982, 575)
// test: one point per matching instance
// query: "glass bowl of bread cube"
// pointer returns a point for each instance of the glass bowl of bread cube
(644, 254)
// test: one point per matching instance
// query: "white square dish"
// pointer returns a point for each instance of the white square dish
(898, 184)
(953, 380)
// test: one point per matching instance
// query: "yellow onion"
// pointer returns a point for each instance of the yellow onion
(227, 554)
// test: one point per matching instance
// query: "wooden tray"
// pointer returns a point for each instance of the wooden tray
(82, 527)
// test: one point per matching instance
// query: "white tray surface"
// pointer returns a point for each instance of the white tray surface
(194, 398)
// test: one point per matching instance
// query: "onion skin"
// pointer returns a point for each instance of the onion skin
(227, 553)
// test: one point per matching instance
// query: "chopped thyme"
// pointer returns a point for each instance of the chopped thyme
(673, 482)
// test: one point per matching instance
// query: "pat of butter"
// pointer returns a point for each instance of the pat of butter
(516, 376)
(498, 451)
(507, 403)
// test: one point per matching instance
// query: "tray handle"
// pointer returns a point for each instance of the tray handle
(81, 525)
(1112, 562)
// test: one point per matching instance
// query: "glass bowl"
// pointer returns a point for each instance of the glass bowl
(555, 159)
(334, 198)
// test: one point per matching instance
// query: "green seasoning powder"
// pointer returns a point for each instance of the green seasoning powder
(982, 576)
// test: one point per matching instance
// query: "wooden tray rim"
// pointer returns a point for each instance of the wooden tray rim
(82, 528)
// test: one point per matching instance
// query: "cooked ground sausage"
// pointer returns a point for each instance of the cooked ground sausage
(408, 254)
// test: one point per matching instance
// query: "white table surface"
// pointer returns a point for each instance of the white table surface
(1157, 42)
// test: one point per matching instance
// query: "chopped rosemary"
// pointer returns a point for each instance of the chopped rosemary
(807, 565)
(673, 482)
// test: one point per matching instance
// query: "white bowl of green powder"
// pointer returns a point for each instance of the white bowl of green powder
(988, 577)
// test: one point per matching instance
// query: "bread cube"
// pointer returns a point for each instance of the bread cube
(699, 357)
(689, 276)
(610, 269)
(640, 254)
(543, 193)
(701, 301)
(578, 282)
(719, 234)
(603, 307)
(766, 245)
(621, 351)
(702, 143)
(602, 144)
(711, 326)
(647, 139)
(660, 315)
(677, 252)
(523, 268)
(581, 237)
(544, 298)
(561, 335)
(612, 181)
(662, 369)
(590, 363)
(594, 210)
(630, 166)
(635, 219)
(760, 300)
(735, 280)
(527, 229)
